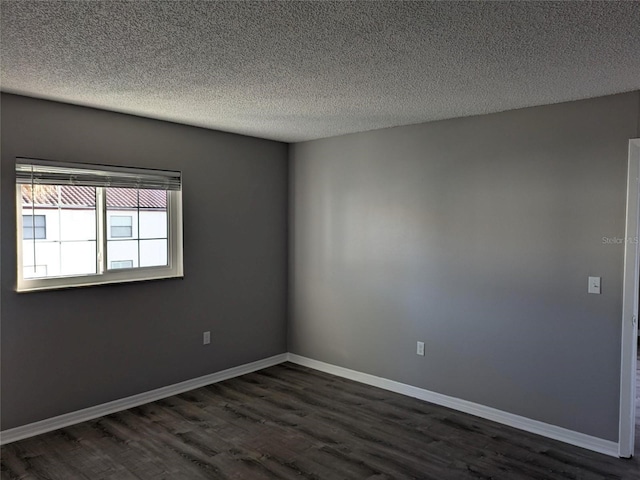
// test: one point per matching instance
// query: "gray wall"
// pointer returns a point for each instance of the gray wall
(476, 236)
(70, 349)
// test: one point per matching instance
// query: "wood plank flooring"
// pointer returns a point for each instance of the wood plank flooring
(291, 422)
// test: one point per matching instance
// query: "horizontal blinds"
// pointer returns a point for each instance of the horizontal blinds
(41, 172)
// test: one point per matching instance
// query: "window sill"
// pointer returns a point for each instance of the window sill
(64, 283)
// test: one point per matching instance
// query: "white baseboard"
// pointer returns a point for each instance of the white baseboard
(589, 442)
(54, 423)
(534, 426)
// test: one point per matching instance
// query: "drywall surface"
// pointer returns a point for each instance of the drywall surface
(70, 349)
(475, 236)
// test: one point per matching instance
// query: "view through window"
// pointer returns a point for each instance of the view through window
(69, 245)
(138, 227)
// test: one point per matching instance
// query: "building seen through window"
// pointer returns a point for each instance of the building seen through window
(136, 219)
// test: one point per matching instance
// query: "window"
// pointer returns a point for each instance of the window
(105, 224)
(121, 227)
(34, 227)
(121, 264)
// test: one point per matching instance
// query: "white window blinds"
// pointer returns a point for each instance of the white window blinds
(42, 172)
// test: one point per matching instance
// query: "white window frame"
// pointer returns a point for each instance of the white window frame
(173, 269)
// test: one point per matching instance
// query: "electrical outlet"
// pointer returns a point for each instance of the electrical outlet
(206, 338)
(594, 285)
(420, 349)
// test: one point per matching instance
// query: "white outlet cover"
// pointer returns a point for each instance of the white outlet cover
(594, 285)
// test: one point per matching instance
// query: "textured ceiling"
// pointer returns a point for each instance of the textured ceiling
(295, 71)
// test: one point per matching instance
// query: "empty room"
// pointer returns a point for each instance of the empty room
(319, 239)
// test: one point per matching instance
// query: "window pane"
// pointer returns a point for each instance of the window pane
(134, 214)
(118, 250)
(122, 198)
(122, 218)
(77, 197)
(59, 230)
(153, 214)
(153, 253)
(40, 259)
(77, 258)
(156, 199)
(76, 224)
(39, 194)
(55, 259)
(34, 271)
(153, 224)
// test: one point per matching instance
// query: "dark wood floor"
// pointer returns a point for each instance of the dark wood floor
(291, 422)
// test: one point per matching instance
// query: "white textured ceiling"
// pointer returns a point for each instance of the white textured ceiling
(295, 71)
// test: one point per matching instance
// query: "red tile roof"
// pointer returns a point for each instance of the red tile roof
(54, 195)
